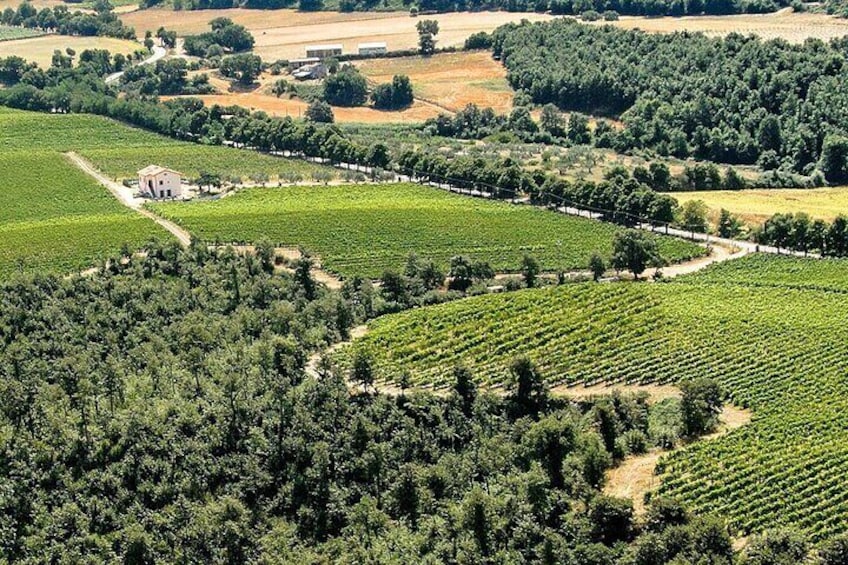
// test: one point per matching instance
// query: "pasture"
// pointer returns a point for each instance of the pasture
(777, 348)
(283, 34)
(40, 49)
(756, 205)
(448, 80)
(365, 229)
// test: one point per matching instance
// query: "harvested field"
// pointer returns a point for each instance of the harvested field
(283, 34)
(296, 108)
(40, 49)
(449, 80)
(755, 206)
(785, 24)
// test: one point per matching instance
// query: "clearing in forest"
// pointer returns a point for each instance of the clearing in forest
(284, 34)
(757, 205)
(449, 80)
(772, 330)
(40, 49)
(366, 229)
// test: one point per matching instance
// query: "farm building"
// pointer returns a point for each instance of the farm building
(159, 182)
(313, 71)
(374, 48)
(323, 51)
(295, 64)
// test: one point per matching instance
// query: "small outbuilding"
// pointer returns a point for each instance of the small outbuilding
(374, 48)
(324, 51)
(159, 182)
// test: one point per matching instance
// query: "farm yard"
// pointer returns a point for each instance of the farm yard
(364, 230)
(284, 34)
(39, 49)
(756, 206)
(776, 348)
(448, 80)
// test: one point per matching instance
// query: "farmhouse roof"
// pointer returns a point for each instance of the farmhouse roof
(372, 45)
(328, 46)
(155, 170)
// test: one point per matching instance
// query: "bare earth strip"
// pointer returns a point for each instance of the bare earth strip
(785, 24)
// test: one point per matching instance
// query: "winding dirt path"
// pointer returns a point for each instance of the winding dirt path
(126, 197)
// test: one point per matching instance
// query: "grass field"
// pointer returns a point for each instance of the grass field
(40, 49)
(449, 80)
(755, 206)
(54, 217)
(366, 229)
(120, 151)
(9, 33)
(785, 24)
(283, 34)
(776, 348)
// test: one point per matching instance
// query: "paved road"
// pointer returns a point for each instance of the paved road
(126, 197)
(158, 53)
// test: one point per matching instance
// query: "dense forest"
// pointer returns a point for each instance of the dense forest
(159, 411)
(730, 100)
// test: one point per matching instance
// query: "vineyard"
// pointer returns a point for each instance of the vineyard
(366, 229)
(54, 217)
(120, 151)
(8, 33)
(776, 348)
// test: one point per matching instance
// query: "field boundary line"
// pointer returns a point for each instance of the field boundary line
(125, 197)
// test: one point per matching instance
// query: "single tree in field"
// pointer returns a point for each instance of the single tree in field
(635, 251)
(208, 180)
(729, 225)
(597, 265)
(529, 270)
(362, 371)
(700, 404)
(320, 112)
(693, 216)
(244, 67)
(530, 394)
(427, 31)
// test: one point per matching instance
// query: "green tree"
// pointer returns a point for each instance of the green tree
(777, 547)
(530, 394)
(597, 265)
(693, 216)
(346, 88)
(427, 31)
(551, 120)
(529, 270)
(729, 225)
(834, 551)
(244, 67)
(700, 405)
(834, 158)
(635, 251)
(320, 112)
(362, 369)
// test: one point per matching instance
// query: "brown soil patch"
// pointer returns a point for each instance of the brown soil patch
(284, 34)
(656, 392)
(785, 24)
(635, 477)
(40, 49)
(449, 80)
(296, 108)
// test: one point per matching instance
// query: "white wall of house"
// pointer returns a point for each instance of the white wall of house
(164, 184)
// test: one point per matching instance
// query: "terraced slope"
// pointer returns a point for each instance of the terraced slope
(773, 331)
(366, 229)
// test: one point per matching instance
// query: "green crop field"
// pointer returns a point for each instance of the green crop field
(777, 348)
(120, 151)
(8, 33)
(54, 217)
(366, 229)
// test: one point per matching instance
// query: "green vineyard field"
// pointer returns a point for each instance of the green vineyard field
(9, 33)
(366, 229)
(778, 349)
(120, 151)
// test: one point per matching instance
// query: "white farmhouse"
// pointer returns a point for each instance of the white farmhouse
(374, 48)
(159, 182)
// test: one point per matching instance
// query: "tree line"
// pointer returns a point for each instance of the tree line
(737, 100)
(799, 232)
(59, 19)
